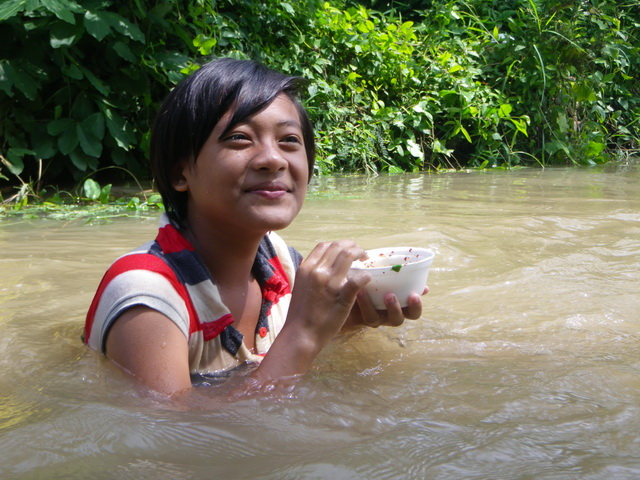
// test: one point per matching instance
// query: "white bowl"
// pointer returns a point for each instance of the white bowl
(397, 270)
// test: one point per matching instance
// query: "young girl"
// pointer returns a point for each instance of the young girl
(232, 152)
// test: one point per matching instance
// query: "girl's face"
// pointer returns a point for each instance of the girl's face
(252, 180)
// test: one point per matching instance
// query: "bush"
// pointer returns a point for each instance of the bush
(471, 83)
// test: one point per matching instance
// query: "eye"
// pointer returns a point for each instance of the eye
(236, 137)
(292, 139)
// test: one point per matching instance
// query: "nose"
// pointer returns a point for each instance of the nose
(270, 157)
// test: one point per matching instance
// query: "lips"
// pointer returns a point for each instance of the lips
(269, 189)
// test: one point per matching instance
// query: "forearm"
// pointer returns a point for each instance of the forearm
(292, 353)
(322, 298)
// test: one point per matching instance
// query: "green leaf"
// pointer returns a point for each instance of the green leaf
(25, 83)
(204, 44)
(521, 126)
(154, 199)
(90, 144)
(496, 33)
(95, 82)
(119, 156)
(68, 141)
(118, 129)
(10, 8)
(584, 93)
(555, 146)
(465, 133)
(124, 51)
(105, 192)
(414, 149)
(288, 8)
(42, 142)
(82, 161)
(134, 203)
(72, 71)
(91, 189)
(56, 127)
(594, 149)
(14, 155)
(439, 147)
(124, 26)
(6, 79)
(505, 110)
(563, 123)
(97, 26)
(94, 124)
(63, 35)
(352, 77)
(63, 9)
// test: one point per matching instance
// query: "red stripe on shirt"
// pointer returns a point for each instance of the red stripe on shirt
(171, 241)
(277, 286)
(139, 261)
(211, 330)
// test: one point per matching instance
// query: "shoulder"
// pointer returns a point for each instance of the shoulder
(137, 278)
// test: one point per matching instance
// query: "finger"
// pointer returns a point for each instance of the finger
(413, 310)
(370, 316)
(337, 255)
(353, 285)
(395, 315)
(343, 253)
(317, 253)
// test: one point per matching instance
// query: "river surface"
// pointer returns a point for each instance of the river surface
(525, 365)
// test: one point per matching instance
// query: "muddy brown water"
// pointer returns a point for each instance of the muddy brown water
(526, 363)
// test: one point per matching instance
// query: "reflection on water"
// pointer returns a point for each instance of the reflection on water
(525, 365)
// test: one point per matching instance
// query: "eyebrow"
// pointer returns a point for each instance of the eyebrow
(289, 123)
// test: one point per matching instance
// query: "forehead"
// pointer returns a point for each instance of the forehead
(282, 111)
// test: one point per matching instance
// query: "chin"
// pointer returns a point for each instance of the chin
(270, 221)
(278, 225)
(263, 225)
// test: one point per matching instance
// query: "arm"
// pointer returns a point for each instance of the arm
(322, 298)
(151, 348)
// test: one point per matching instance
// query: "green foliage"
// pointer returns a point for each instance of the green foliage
(393, 85)
(570, 67)
(79, 81)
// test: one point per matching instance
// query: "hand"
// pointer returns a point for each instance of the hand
(323, 297)
(365, 314)
(325, 290)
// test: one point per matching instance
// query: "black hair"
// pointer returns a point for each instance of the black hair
(193, 108)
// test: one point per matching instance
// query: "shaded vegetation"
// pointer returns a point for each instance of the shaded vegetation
(393, 85)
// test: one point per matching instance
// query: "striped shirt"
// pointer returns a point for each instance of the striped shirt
(168, 276)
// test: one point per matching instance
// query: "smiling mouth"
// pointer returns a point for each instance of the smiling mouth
(269, 188)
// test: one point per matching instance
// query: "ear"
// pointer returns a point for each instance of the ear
(179, 180)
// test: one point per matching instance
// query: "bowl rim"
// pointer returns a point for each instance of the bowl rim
(429, 255)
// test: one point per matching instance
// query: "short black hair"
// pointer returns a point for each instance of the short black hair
(193, 108)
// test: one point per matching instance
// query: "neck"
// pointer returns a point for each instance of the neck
(228, 257)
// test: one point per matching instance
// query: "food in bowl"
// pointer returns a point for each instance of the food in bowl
(397, 270)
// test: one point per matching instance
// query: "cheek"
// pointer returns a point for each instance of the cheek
(301, 166)
(301, 194)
